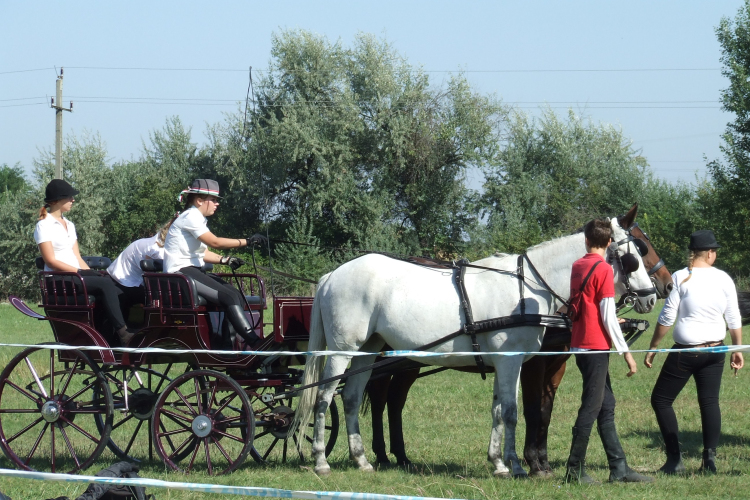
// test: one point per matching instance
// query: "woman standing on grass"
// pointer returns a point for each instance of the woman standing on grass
(702, 299)
(58, 244)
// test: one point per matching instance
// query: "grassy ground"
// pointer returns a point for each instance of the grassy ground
(447, 422)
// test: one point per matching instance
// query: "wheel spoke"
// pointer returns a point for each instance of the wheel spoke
(174, 432)
(74, 396)
(52, 433)
(23, 392)
(270, 448)
(36, 377)
(192, 458)
(198, 395)
(179, 448)
(222, 450)
(229, 399)
(128, 417)
(70, 448)
(23, 431)
(36, 444)
(132, 438)
(52, 372)
(76, 427)
(72, 371)
(229, 436)
(184, 400)
(208, 458)
(164, 377)
(174, 417)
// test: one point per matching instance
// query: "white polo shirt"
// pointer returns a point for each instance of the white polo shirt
(126, 269)
(182, 247)
(51, 229)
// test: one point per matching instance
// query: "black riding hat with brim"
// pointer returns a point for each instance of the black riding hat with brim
(57, 189)
(703, 240)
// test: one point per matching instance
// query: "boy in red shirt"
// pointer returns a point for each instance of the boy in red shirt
(597, 329)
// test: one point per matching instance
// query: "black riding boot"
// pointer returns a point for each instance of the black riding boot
(236, 316)
(576, 471)
(673, 465)
(618, 466)
(708, 464)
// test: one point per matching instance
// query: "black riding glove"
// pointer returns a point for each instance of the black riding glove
(233, 262)
(257, 239)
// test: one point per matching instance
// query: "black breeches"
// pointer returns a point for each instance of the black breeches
(104, 289)
(707, 369)
(213, 288)
(597, 399)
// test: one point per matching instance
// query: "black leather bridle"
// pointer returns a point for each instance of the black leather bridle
(629, 264)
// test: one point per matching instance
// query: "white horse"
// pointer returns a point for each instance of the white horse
(373, 300)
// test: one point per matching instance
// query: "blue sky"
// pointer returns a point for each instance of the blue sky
(530, 54)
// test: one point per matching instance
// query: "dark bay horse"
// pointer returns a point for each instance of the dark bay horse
(540, 378)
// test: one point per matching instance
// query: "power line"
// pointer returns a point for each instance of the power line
(239, 70)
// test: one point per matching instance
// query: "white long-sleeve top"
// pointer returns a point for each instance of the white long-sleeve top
(608, 310)
(699, 307)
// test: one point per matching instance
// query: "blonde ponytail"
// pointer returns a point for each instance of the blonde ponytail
(694, 254)
(162, 233)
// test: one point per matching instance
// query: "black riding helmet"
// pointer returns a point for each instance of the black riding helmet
(58, 189)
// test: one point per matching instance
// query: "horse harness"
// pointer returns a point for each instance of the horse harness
(473, 328)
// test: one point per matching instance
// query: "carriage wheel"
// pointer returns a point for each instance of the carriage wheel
(131, 429)
(272, 439)
(49, 408)
(207, 413)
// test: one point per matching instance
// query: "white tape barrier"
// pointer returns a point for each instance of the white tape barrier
(247, 491)
(385, 354)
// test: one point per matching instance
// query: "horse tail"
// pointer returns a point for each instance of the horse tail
(313, 368)
(743, 300)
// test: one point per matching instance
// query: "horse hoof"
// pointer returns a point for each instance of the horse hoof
(540, 474)
(503, 474)
(520, 475)
(367, 468)
(323, 471)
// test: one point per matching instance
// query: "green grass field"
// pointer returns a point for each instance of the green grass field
(447, 423)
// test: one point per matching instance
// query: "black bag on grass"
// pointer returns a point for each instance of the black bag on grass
(99, 491)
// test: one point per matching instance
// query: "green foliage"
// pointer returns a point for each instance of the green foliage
(554, 175)
(355, 139)
(12, 179)
(726, 203)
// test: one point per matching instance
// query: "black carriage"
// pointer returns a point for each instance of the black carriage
(61, 408)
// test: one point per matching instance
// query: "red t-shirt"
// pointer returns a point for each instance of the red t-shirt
(588, 330)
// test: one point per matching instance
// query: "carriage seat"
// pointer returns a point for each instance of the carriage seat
(157, 266)
(96, 263)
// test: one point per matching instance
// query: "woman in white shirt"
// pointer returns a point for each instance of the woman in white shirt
(126, 270)
(186, 250)
(58, 244)
(702, 299)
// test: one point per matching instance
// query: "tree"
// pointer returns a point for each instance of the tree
(727, 209)
(355, 140)
(553, 175)
(12, 179)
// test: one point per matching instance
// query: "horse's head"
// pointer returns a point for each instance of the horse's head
(660, 275)
(632, 279)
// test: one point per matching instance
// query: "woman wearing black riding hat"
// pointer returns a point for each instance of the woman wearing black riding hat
(186, 250)
(702, 299)
(58, 244)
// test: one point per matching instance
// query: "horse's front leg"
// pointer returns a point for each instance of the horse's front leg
(335, 366)
(505, 418)
(352, 399)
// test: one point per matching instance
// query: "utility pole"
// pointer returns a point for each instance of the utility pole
(58, 123)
